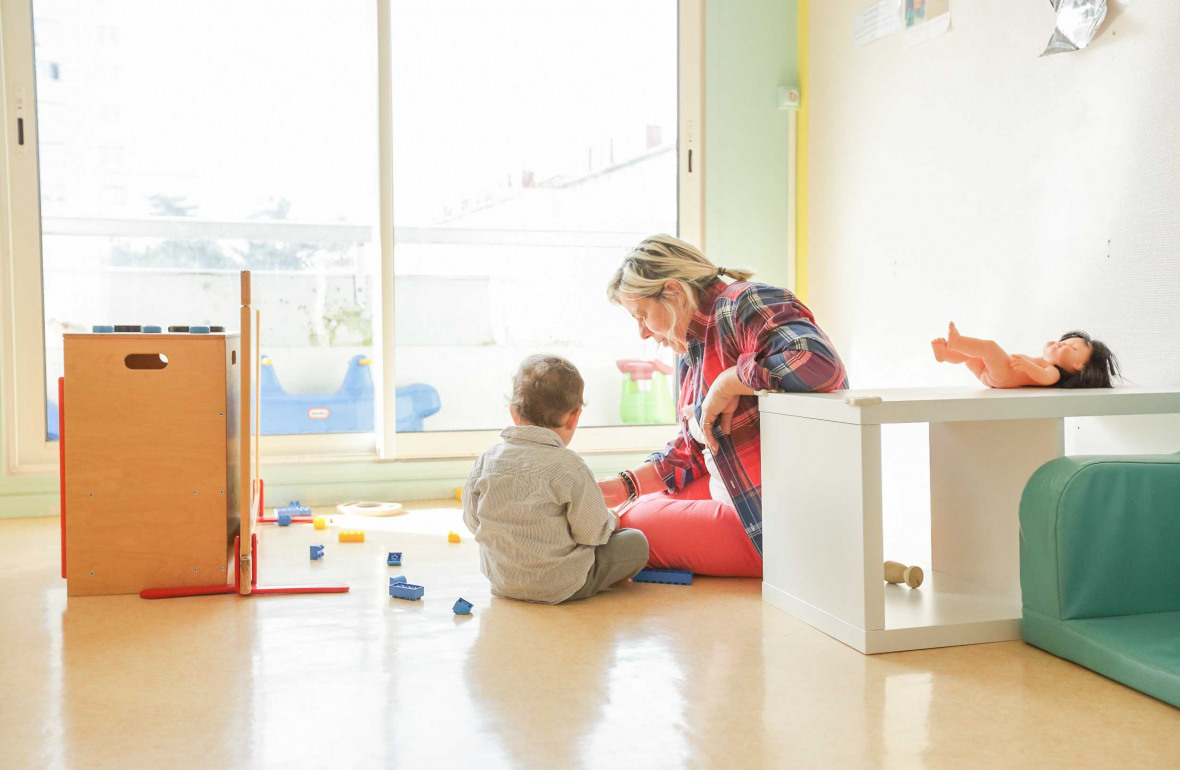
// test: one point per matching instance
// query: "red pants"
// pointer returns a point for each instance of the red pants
(690, 530)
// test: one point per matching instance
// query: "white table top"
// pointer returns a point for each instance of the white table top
(899, 405)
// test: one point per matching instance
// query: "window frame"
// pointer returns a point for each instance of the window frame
(22, 354)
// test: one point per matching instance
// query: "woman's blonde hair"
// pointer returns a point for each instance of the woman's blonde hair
(662, 258)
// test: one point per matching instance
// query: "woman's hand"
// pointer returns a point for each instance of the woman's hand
(720, 403)
(614, 491)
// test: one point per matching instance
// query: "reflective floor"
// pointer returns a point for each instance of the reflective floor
(648, 676)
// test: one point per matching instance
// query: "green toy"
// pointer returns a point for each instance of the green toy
(647, 392)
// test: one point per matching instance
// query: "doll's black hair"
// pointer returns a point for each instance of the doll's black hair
(1101, 367)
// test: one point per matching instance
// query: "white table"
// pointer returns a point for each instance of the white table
(821, 499)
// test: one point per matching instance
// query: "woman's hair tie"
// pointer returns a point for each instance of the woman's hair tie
(722, 271)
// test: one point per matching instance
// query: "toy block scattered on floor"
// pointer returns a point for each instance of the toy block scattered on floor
(284, 520)
(294, 508)
(320, 522)
(407, 591)
(678, 577)
(397, 579)
(317, 552)
(453, 537)
(462, 607)
(394, 559)
(352, 536)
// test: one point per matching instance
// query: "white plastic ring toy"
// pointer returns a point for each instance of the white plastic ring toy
(367, 508)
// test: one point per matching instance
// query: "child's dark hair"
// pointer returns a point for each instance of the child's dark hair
(545, 390)
(1101, 367)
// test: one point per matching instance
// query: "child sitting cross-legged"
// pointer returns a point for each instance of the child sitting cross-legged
(543, 528)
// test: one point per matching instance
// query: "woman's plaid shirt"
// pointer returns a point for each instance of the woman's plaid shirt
(772, 339)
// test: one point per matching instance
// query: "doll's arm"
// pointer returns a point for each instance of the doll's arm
(1041, 375)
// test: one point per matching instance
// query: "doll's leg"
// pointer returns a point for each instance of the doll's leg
(944, 354)
(993, 357)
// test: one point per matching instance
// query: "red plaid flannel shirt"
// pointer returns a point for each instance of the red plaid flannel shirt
(773, 341)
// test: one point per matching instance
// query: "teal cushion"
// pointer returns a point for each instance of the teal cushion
(1141, 651)
(1100, 536)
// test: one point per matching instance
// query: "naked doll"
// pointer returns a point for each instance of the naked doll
(1074, 361)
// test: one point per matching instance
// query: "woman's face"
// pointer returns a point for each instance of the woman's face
(657, 322)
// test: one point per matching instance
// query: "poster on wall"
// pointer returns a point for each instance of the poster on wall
(875, 22)
(925, 19)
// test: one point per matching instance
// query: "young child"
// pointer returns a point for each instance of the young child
(543, 528)
(1074, 361)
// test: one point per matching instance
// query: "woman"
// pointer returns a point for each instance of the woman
(700, 500)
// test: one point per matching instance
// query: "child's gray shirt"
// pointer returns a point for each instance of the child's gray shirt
(537, 513)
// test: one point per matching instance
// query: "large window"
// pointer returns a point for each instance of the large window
(521, 146)
(533, 143)
(182, 143)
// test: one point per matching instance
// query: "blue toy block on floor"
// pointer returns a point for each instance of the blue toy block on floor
(406, 591)
(394, 559)
(317, 552)
(462, 607)
(678, 577)
(397, 579)
(284, 520)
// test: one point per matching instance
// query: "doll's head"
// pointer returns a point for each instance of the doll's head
(1092, 361)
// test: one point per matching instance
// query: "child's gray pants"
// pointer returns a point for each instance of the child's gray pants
(620, 557)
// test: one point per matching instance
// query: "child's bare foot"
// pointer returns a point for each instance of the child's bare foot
(939, 346)
(952, 337)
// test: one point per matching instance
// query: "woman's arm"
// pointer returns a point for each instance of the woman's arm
(777, 345)
(614, 489)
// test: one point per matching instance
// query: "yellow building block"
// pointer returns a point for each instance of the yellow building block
(320, 522)
(459, 494)
(452, 537)
(352, 536)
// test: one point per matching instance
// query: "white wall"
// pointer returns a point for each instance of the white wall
(967, 179)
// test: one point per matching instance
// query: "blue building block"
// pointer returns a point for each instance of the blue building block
(678, 577)
(397, 579)
(198, 330)
(102, 329)
(462, 607)
(317, 552)
(293, 508)
(284, 519)
(407, 591)
(151, 329)
(394, 559)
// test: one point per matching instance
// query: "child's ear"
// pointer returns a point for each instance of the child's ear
(572, 421)
(515, 416)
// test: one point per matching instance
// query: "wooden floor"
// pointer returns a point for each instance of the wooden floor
(647, 676)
